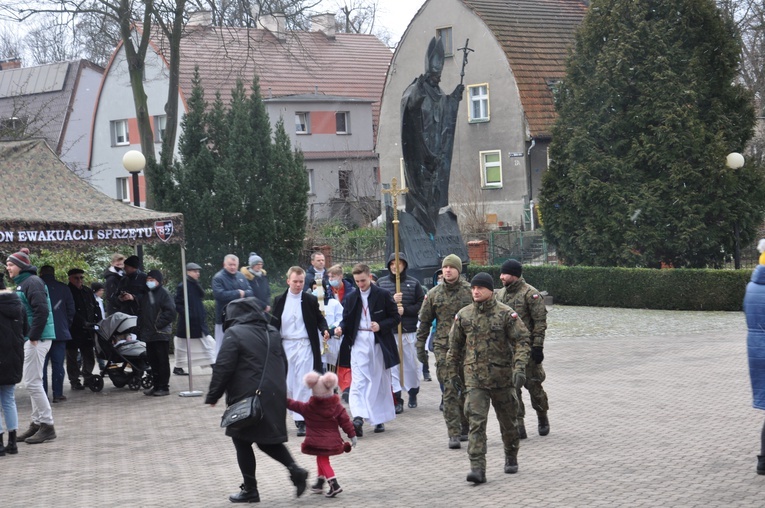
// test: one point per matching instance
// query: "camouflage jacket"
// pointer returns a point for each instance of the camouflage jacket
(442, 303)
(490, 342)
(529, 305)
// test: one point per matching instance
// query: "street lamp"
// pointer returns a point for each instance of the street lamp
(134, 162)
(735, 160)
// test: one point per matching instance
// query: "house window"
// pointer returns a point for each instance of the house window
(160, 125)
(13, 128)
(342, 122)
(120, 134)
(310, 182)
(491, 169)
(446, 36)
(123, 192)
(344, 183)
(301, 123)
(479, 103)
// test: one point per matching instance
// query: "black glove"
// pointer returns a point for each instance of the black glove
(537, 354)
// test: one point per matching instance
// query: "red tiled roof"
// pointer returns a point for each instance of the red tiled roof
(348, 65)
(536, 36)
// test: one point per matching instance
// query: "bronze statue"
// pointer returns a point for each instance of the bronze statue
(428, 121)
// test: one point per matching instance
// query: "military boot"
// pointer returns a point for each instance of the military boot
(12, 449)
(454, 442)
(511, 465)
(521, 428)
(464, 432)
(46, 433)
(544, 423)
(476, 476)
(760, 464)
(31, 431)
(247, 494)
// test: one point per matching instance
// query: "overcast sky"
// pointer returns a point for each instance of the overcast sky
(395, 15)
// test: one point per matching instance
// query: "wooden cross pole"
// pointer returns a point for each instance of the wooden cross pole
(394, 191)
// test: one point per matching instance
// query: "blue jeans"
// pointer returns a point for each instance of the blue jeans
(8, 406)
(56, 355)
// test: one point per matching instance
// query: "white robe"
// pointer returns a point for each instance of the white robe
(202, 352)
(333, 312)
(297, 349)
(412, 366)
(370, 396)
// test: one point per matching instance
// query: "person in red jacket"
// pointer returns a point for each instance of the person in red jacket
(323, 414)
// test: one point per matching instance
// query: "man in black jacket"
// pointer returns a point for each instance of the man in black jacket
(369, 319)
(155, 321)
(299, 320)
(200, 342)
(86, 314)
(131, 287)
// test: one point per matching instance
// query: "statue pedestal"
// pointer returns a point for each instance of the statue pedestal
(423, 253)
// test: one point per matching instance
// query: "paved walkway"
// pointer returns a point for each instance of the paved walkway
(649, 408)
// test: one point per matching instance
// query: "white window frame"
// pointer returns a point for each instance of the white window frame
(487, 165)
(347, 116)
(120, 128)
(480, 99)
(311, 190)
(123, 189)
(160, 126)
(448, 41)
(302, 122)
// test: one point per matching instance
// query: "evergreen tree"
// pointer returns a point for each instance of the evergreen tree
(647, 113)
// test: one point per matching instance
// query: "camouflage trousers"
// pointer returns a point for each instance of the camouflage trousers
(477, 403)
(454, 401)
(535, 375)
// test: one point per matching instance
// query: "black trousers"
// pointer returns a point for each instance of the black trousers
(85, 347)
(245, 457)
(158, 355)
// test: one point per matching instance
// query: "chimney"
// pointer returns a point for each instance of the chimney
(275, 23)
(324, 22)
(10, 63)
(200, 18)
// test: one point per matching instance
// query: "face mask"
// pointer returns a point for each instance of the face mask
(335, 283)
(151, 284)
(315, 293)
(438, 283)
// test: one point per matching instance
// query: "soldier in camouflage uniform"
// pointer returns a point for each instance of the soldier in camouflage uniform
(442, 303)
(530, 306)
(491, 343)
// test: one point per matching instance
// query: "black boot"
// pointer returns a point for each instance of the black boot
(413, 397)
(761, 464)
(318, 487)
(399, 402)
(300, 428)
(358, 426)
(476, 476)
(334, 488)
(544, 423)
(511, 465)
(12, 449)
(298, 475)
(247, 494)
(521, 429)
(2, 448)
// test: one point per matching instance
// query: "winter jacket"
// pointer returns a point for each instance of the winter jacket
(197, 312)
(323, 415)
(412, 295)
(87, 312)
(156, 315)
(62, 304)
(240, 365)
(348, 290)
(310, 276)
(34, 296)
(226, 288)
(112, 278)
(259, 285)
(135, 284)
(754, 308)
(13, 328)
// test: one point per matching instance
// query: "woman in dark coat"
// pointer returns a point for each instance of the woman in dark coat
(249, 346)
(13, 327)
(754, 308)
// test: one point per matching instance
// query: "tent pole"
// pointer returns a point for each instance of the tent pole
(191, 392)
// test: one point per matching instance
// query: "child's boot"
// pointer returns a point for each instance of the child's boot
(318, 487)
(334, 488)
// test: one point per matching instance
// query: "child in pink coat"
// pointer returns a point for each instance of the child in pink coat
(323, 414)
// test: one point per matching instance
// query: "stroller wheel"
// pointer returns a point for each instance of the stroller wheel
(135, 383)
(147, 381)
(96, 383)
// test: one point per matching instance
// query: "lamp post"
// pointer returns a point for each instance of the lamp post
(735, 160)
(134, 162)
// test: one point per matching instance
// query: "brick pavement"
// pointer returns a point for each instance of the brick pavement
(648, 408)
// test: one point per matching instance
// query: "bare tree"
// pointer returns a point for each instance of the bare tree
(11, 44)
(360, 17)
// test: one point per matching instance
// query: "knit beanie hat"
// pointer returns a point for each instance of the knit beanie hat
(156, 275)
(133, 261)
(254, 259)
(21, 259)
(512, 267)
(454, 261)
(322, 386)
(483, 280)
(761, 248)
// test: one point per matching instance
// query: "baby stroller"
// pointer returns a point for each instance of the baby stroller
(126, 362)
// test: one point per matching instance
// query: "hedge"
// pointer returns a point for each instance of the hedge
(639, 288)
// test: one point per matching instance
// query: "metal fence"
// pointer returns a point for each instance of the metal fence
(348, 251)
